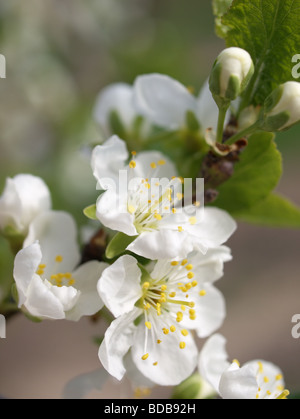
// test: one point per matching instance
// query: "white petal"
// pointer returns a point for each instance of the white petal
(135, 376)
(145, 158)
(57, 234)
(117, 341)
(239, 383)
(214, 229)
(26, 264)
(163, 244)
(112, 212)
(67, 296)
(209, 267)
(86, 278)
(108, 159)
(213, 360)
(210, 311)
(116, 97)
(173, 364)
(163, 100)
(41, 302)
(24, 197)
(120, 285)
(83, 384)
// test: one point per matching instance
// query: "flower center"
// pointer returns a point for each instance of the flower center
(58, 279)
(150, 200)
(168, 301)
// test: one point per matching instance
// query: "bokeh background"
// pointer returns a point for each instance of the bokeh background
(59, 55)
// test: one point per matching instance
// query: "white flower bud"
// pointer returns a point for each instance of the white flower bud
(231, 73)
(282, 107)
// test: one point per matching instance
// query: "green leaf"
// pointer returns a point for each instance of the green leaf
(255, 175)
(118, 245)
(274, 211)
(269, 30)
(220, 7)
(90, 212)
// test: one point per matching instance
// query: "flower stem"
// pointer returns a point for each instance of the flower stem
(245, 132)
(221, 120)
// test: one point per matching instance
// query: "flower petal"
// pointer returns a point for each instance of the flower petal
(116, 97)
(120, 285)
(210, 311)
(213, 360)
(117, 341)
(112, 212)
(214, 229)
(86, 278)
(57, 234)
(239, 383)
(107, 160)
(24, 197)
(166, 364)
(41, 302)
(163, 100)
(209, 267)
(26, 264)
(163, 244)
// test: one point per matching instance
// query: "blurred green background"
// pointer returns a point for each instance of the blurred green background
(59, 55)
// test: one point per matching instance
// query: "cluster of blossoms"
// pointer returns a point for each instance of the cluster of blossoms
(166, 251)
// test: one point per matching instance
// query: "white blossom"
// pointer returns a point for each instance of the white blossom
(49, 280)
(255, 380)
(24, 198)
(156, 308)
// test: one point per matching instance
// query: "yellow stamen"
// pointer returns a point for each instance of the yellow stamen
(153, 165)
(182, 345)
(202, 293)
(58, 259)
(161, 162)
(174, 263)
(193, 220)
(146, 285)
(190, 275)
(132, 164)
(173, 329)
(148, 325)
(236, 362)
(180, 229)
(158, 217)
(131, 209)
(184, 332)
(184, 262)
(144, 357)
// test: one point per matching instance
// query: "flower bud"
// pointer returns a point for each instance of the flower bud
(194, 387)
(282, 107)
(230, 75)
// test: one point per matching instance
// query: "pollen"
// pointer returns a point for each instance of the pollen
(144, 357)
(180, 229)
(163, 287)
(131, 209)
(174, 263)
(189, 267)
(158, 341)
(132, 164)
(173, 329)
(194, 283)
(174, 210)
(158, 217)
(166, 331)
(184, 262)
(153, 165)
(133, 153)
(182, 345)
(58, 259)
(190, 275)
(179, 196)
(202, 293)
(184, 332)
(172, 294)
(193, 221)
(161, 162)
(155, 363)
(148, 325)
(146, 285)
(235, 361)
